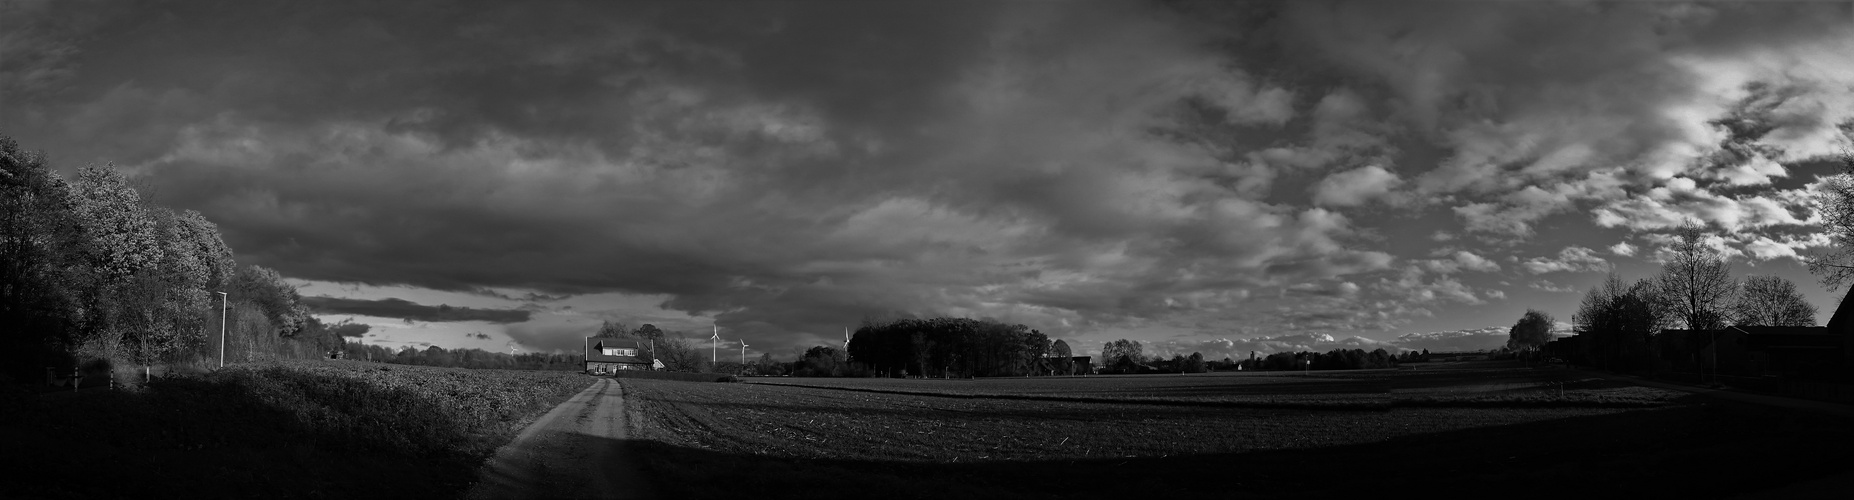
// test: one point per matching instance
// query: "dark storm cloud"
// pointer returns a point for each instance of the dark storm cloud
(346, 329)
(406, 310)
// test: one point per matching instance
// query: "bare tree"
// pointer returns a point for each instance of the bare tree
(1835, 202)
(1618, 320)
(1772, 301)
(1696, 285)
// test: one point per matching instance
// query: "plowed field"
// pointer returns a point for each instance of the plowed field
(1478, 429)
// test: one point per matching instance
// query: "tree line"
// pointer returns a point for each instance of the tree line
(92, 272)
(464, 358)
(1617, 321)
(1128, 356)
(950, 347)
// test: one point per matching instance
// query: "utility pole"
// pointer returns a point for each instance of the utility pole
(222, 306)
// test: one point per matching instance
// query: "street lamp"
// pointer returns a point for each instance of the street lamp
(222, 307)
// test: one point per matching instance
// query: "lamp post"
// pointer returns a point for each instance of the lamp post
(222, 307)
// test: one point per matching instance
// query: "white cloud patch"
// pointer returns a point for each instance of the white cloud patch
(1479, 339)
(1681, 199)
(1459, 260)
(1548, 286)
(1516, 213)
(1410, 286)
(1356, 187)
(1573, 259)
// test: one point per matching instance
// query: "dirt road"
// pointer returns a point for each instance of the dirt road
(577, 450)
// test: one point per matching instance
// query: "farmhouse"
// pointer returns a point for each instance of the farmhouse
(607, 355)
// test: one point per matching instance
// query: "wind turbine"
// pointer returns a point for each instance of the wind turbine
(743, 354)
(714, 343)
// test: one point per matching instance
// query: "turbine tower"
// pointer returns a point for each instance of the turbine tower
(743, 354)
(714, 343)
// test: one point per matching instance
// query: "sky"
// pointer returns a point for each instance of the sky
(1209, 177)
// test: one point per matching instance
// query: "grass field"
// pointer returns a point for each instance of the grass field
(313, 429)
(1143, 435)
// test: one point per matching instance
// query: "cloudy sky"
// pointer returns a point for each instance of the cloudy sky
(1211, 177)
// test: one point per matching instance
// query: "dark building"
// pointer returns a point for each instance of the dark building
(1762, 350)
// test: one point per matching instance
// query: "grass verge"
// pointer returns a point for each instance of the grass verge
(298, 429)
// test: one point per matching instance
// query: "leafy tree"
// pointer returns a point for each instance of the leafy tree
(1771, 301)
(609, 329)
(1062, 360)
(647, 331)
(680, 354)
(1696, 283)
(1531, 332)
(279, 300)
(1113, 353)
(1194, 364)
(948, 346)
(41, 267)
(769, 366)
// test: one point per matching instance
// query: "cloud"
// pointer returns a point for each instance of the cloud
(406, 310)
(1460, 260)
(1239, 348)
(1515, 214)
(1492, 337)
(1681, 199)
(1572, 259)
(349, 329)
(1548, 286)
(1766, 248)
(1411, 287)
(1622, 248)
(1355, 187)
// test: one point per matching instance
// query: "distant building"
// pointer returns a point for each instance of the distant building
(1084, 365)
(608, 355)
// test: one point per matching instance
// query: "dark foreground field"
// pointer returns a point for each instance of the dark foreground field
(328, 429)
(1459, 430)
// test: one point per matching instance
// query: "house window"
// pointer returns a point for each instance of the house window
(613, 351)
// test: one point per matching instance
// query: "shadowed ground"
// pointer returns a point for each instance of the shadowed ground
(577, 450)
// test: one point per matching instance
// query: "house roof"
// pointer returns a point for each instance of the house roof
(1782, 330)
(1843, 320)
(595, 350)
